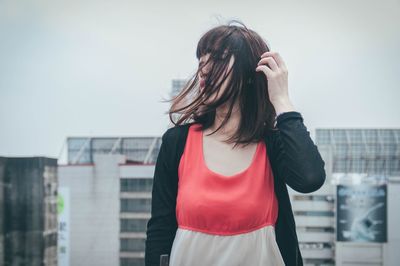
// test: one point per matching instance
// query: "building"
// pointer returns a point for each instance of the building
(109, 182)
(177, 86)
(81, 150)
(136, 183)
(362, 155)
(28, 207)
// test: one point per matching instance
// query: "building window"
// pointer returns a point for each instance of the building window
(135, 205)
(131, 262)
(133, 225)
(132, 244)
(136, 184)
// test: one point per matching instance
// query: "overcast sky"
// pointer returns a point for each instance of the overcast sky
(101, 68)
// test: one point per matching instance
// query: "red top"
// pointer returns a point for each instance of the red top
(225, 205)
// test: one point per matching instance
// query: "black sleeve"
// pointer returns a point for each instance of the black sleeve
(162, 225)
(298, 159)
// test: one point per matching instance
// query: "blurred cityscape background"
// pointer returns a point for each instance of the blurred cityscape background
(81, 122)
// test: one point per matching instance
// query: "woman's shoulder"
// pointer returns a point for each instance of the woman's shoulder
(177, 132)
(174, 140)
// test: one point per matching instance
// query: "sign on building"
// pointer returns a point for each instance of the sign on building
(361, 213)
(63, 226)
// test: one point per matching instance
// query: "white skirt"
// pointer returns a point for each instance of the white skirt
(253, 248)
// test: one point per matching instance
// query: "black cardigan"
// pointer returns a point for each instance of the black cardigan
(294, 159)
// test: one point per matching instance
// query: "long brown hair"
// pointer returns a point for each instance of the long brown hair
(247, 87)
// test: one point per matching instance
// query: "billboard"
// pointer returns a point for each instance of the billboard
(361, 213)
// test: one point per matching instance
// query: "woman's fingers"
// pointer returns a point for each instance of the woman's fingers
(277, 57)
(270, 61)
(267, 71)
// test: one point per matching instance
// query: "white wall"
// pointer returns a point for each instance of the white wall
(94, 210)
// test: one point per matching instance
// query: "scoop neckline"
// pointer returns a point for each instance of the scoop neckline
(204, 164)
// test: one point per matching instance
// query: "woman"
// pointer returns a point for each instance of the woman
(219, 189)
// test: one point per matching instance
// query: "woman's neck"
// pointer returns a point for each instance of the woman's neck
(232, 124)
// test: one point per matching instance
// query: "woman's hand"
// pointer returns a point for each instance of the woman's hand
(272, 65)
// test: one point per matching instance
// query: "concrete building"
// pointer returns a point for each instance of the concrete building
(110, 186)
(177, 85)
(354, 157)
(135, 201)
(28, 211)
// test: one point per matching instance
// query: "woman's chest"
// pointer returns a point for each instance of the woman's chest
(222, 158)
